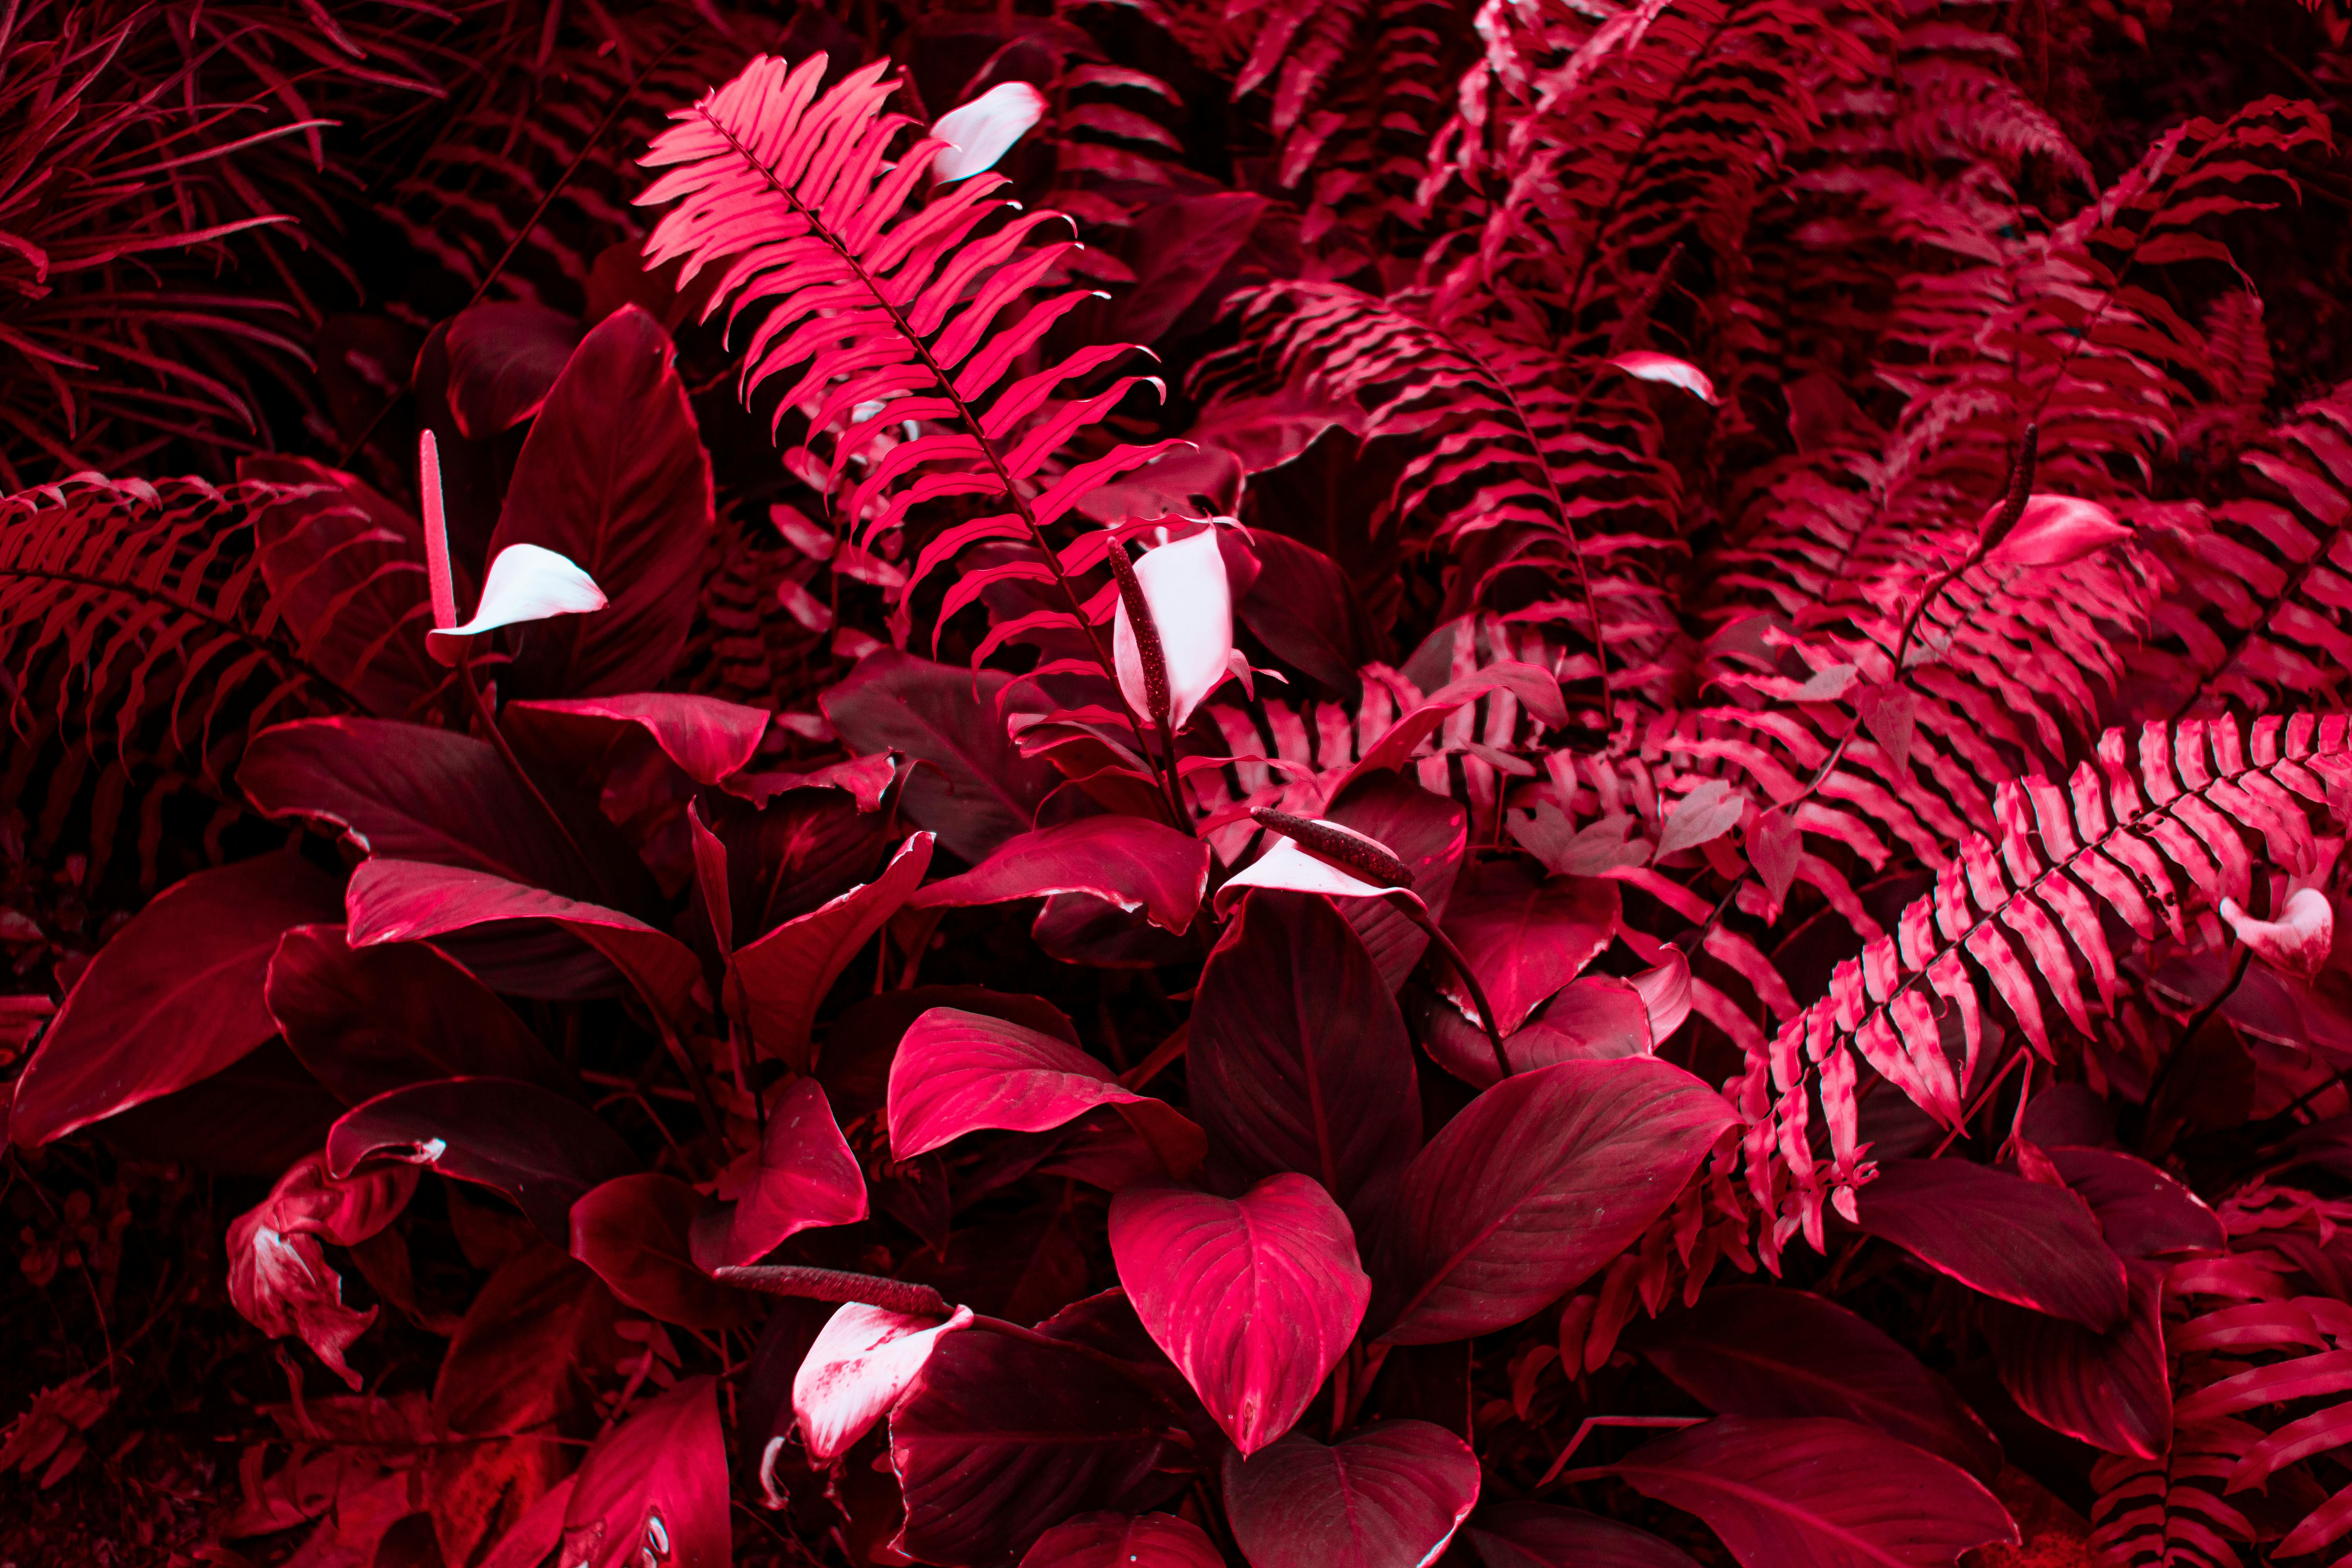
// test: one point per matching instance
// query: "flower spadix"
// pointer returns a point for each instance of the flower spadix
(1184, 589)
(526, 583)
(1315, 855)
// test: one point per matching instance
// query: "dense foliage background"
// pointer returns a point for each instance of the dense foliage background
(1808, 541)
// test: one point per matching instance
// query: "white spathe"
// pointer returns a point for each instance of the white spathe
(1192, 603)
(980, 133)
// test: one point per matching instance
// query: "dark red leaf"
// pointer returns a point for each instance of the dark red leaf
(1594, 1018)
(653, 1488)
(2015, 1240)
(1116, 1541)
(503, 358)
(779, 980)
(982, 791)
(635, 1232)
(1527, 935)
(1254, 1298)
(1538, 1535)
(410, 900)
(806, 1176)
(176, 996)
(366, 1020)
(1543, 1179)
(958, 1072)
(1126, 860)
(1391, 1496)
(1822, 1492)
(2142, 1212)
(1301, 606)
(1756, 1350)
(531, 1144)
(709, 739)
(408, 791)
(2112, 1390)
(348, 570)
(1426, 831)
(614, 478)
(1001, 1438)
(1297, 1057)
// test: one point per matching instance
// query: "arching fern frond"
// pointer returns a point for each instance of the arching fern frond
(2014, 930)
(140, 637)
(883, 316)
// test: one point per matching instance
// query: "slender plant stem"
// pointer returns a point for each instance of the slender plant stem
(1418, 913)
(514, 764)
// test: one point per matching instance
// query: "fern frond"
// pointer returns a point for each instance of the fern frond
(1506, 468)
(139, 636)
(889, 316)
(2013, 927)
(2261, 614)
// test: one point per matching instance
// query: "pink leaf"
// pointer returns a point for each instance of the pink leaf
(1297, 1057)
(1527, 936)
(277, 1277)
(980, 133)
(1540, 1181)
(1759, 1350)
(1538, 1535)
(1666, 370)
(635, 1231)
(1116, 1541)
(2014, 1239)
(1776, 848)
(957, 1072)
(779, 979)
(710, 740)
(1596, 1018)
(1819, 1492)
(1708, 812)
(1192, 605)
(1126, 860)
(612, 476)
(526, 584)
(653, 1488)
(806, 1177)
(2298, 941)
(174, 997)
(2053, 531)
(366, 1020)
(1537, 690)
(408, 900)
(1392, 1496)
(1254, 1298)
(863, 1360)
(535, 1146)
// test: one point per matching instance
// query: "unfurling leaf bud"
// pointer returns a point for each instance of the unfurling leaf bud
(1370, 859)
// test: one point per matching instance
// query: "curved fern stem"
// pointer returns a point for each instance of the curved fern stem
(971, 422)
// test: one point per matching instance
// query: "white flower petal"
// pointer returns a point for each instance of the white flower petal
(526, 584)
(863, 1360)
(2298, 941)
(1644, 365)
(1192, 602)
(980, 131)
